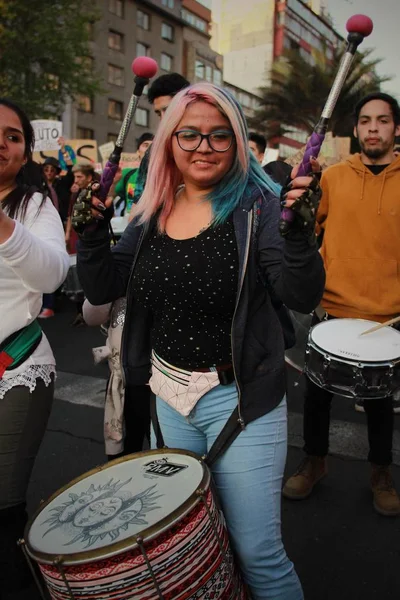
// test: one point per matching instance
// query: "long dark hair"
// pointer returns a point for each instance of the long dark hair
(30, 178)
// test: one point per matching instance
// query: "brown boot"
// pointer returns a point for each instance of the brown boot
(386, 499)
(300, 485)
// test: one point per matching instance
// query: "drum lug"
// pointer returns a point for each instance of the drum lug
(326, 364)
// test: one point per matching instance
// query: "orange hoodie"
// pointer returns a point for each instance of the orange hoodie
(360, 214)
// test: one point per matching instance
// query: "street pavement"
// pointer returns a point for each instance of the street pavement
(341, 548)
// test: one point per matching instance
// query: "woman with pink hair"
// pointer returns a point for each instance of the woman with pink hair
(206, 274)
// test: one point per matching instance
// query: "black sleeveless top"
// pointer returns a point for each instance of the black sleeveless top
(190, 286)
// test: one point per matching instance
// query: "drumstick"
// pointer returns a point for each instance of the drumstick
(385, 324)
(144, 68)
(359, 27)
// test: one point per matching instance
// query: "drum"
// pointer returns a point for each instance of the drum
(72, 287)
(342, 361)
(144, 527)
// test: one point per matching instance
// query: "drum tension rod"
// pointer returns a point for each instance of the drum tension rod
(21, 544)
(58, 564)
(139, 542)
(201, 493)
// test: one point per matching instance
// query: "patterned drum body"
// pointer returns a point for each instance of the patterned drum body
(346, 363)
(183, 556)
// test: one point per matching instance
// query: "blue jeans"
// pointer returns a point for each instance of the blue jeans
(248, 478)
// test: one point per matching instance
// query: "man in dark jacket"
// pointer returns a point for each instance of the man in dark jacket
(60, 183)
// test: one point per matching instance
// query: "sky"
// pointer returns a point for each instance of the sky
(384, 38)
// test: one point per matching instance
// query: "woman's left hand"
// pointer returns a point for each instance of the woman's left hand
(299, 185)
(302, 195)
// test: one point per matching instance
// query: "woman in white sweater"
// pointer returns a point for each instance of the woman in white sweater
(33, 261)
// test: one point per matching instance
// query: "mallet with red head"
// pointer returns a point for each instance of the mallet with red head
(144, 68)
(359, 27)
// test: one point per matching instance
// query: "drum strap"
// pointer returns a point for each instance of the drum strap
(227, 436)
(155, 422)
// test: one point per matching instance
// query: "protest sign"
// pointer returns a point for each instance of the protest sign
(85, 152)
(46, 134)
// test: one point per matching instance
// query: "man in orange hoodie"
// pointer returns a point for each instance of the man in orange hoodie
(359, 216)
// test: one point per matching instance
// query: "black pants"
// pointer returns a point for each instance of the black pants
(137, 419)
(380, 421)
(317, 408)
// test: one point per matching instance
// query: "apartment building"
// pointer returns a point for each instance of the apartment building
(127, 29)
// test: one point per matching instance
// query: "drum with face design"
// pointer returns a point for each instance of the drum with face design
(143, 527)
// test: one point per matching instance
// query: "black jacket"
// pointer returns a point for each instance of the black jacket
(290, 269)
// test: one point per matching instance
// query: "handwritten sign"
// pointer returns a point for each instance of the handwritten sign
(46, 134)
(105, 151)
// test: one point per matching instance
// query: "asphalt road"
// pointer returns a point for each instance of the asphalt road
(341, 548)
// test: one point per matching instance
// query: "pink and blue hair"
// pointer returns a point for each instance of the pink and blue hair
(163, 178)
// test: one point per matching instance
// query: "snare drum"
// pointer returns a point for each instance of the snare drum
(343, 362)
(143, 527)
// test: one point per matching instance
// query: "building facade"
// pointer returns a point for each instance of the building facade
(127, 29)
(252, 35)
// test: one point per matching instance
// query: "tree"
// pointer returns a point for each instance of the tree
(45, 53)
(298, 92)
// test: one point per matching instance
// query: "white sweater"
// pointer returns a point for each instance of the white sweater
(33, 261)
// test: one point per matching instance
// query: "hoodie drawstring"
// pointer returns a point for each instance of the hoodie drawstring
(381, 192)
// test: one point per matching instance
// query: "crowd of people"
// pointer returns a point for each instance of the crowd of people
(201, 282)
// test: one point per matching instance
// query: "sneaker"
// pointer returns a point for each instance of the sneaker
(359, 406)
(386, 500)
(46, 313)
(309, 472)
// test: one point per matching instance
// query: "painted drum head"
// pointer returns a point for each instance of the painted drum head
(341, 337)
(115, 503)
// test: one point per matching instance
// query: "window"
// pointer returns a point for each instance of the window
(208, 73)
(142, 49)
(193, 20)
(84, 133)
(143, 20)
(115, 41)
(166, 62)
(116, 7)
(112, 137)
(115, 75)
(115, 109)
(168, 3)
(85, 104)
(199, 69)
(142, 117)
(167, 32)
(217, 77)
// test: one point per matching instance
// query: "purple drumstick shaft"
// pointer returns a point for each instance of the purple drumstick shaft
(312, 150)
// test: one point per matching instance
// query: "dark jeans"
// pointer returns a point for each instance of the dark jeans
(380, 421)
(137, 419)
(48, 301)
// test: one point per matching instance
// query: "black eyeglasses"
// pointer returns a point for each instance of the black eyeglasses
(219, 141)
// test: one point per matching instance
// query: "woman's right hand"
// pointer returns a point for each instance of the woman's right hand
(88, 208)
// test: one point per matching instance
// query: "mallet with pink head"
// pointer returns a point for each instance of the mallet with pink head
(359, 27)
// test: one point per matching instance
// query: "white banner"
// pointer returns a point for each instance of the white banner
(46, 134)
